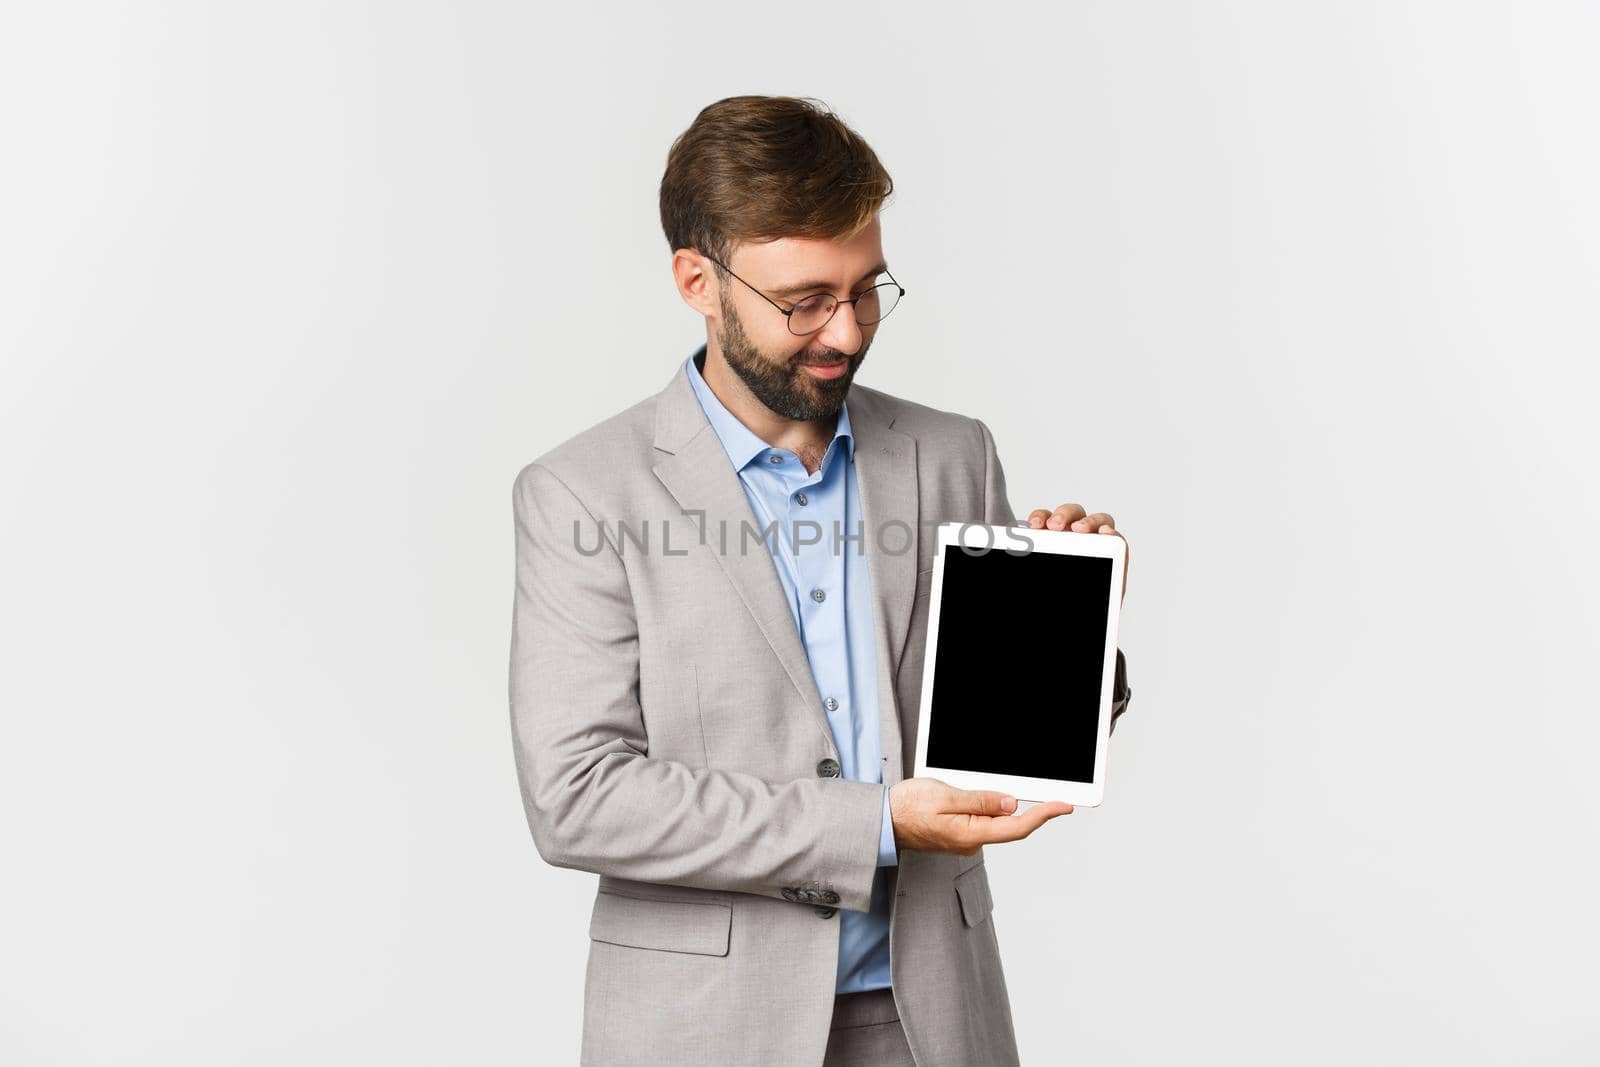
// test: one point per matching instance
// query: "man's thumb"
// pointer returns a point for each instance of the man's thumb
(984, 802)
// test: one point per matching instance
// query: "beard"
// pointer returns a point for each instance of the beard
(780, 383)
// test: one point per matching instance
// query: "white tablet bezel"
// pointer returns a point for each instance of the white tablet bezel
(1020, 540)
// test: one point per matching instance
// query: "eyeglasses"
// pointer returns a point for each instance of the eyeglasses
(814, 312)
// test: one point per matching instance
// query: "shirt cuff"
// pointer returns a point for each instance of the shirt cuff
(887, 856)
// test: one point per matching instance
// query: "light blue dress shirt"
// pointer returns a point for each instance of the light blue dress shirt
(830, 596)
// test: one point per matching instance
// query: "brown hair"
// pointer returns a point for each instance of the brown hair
(757, 168)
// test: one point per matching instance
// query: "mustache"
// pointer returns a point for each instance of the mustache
(830, 359)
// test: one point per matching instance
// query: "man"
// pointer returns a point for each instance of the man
(717, 648)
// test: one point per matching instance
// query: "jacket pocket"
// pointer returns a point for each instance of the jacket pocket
(972, 886)
(664, 925)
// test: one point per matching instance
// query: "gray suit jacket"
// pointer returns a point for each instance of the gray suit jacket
(669, 737)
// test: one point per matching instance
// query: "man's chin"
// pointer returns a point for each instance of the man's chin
(830, 391)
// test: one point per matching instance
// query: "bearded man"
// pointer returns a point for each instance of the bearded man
(717, 647)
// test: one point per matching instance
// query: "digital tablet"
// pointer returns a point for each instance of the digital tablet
(1021, 660)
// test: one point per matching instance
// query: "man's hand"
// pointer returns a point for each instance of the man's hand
(1073, 517)
(931, 816)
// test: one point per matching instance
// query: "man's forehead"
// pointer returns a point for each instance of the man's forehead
(802, 261)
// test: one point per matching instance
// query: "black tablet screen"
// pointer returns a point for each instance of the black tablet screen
(1019, 662)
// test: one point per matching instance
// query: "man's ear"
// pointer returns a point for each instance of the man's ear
(692, 274)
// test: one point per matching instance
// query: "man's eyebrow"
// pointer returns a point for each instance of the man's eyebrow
(789, 290)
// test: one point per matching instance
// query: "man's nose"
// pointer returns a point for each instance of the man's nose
(843, 333)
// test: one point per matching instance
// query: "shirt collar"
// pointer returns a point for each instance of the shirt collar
(741, 444)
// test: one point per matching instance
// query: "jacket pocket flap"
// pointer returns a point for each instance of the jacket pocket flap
(667, 925)
(972, 886)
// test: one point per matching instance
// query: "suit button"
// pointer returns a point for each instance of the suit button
(791, 895)
(826, 913)
(830, 897)
(828, 768)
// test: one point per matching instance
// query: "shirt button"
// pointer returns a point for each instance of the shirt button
(800, 498)
(831, 704)
(828, 768)
(775, 458)
(818, 595)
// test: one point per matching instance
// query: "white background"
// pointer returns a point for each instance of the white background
(1303, 294)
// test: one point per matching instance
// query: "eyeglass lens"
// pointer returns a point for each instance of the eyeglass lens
(812, 313)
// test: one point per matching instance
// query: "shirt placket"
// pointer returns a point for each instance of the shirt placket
(823, 604)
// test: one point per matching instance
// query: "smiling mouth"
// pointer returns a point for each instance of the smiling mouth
(835, 369)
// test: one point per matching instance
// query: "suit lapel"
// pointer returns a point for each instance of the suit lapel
(698, 475)
(696, 471)
(886, 478)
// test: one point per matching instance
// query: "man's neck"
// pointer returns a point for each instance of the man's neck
(807, 440)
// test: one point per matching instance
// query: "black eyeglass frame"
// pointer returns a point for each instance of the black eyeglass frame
(789, 311)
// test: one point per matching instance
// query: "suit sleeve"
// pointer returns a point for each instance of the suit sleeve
(997, 512)
(594, 799)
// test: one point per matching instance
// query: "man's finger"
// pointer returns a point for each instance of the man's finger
(1064, 516)
(1093, 522)
(980, 802)
(1017, 827)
